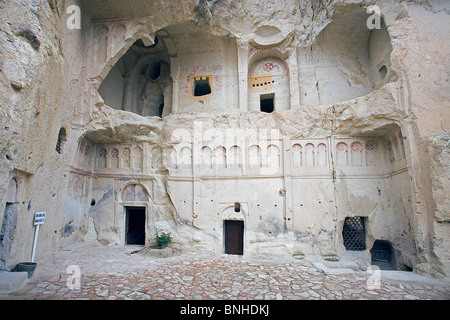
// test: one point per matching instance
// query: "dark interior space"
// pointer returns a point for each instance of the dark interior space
(383, 255)
(202, 87)
(266, 103)
(135, 225)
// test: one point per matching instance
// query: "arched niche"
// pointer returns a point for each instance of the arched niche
(380, 48)
(11, 192)
(268, 80)
(10, 216)
(133, 193)
(229, 212)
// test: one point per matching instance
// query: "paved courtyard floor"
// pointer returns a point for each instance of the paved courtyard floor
(116, 274)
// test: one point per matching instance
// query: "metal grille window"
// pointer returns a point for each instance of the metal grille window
(354, 233)
(381, 251)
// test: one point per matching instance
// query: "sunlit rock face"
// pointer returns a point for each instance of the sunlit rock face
(264, 128)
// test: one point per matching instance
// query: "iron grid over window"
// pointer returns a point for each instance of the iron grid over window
(354, 233)
(381, 251)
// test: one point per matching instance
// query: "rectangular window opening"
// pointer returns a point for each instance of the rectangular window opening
(354, 233)
(267, 102)
(201, 87)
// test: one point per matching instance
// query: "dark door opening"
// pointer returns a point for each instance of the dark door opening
(135, 225)
(234, 237)
(266, 102)
(383, 255)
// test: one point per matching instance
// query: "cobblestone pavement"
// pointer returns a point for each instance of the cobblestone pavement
(115, 274)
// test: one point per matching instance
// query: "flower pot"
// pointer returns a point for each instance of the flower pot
(26, 267)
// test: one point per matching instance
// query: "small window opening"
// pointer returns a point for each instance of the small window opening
(237, 207)
(202, 87)
(383, 72)
(61, 141)
(354, 233)
(266, 102)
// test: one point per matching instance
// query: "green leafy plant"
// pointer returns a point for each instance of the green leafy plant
(162, 238)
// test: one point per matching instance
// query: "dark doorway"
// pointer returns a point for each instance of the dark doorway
(234, 237)
(266, 102)
(135, 225)
(383, 255)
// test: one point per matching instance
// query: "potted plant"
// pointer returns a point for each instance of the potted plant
(162, 238)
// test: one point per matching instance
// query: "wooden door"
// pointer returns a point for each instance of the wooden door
(234, 237)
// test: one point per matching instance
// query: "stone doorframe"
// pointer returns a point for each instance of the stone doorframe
(121, 204)
(227, 212)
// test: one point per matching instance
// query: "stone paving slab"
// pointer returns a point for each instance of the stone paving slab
(115, 274)
(11, 281)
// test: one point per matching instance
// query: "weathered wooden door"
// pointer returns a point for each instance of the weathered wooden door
(234, 237)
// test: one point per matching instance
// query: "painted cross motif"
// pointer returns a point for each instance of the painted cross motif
(268, 66)
(355, 146)
(341, 146)
(371, 145)
(114, 153)
(102, 153)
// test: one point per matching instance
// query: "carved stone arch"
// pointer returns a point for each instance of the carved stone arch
(356, 153)
(273, 156)
(234, 157)
(310, 154)
(341, 154)
(228, 212)
(126, 190)
(12, 191)
(185, 157)
(15, 189)
(172, 50)
(11, 212)
(254, 156)
(119, 30)
(206, 157)
(297, 155)
(133, 33)
(137, 158)
(101, 32)
(111, 61)
(268, 84)
(265, 53)
(321, 154)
